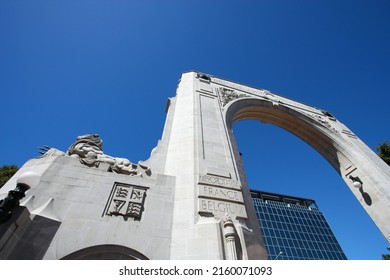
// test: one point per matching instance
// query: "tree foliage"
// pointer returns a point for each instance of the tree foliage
(6, 172)
(386, 256)
(384, 152)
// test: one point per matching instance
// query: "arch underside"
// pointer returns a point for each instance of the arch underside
(288, 119)
(105, 252)
(349, 156)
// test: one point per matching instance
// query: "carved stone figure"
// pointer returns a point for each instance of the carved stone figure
(88, 149)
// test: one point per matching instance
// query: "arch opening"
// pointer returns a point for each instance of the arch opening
(105, 252)
(287, 119)
(324, 143)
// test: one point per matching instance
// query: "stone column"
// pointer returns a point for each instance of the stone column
(230, 235)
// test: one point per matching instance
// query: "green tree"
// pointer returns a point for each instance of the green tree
(384, 152)
(386, 256)
(6, 172)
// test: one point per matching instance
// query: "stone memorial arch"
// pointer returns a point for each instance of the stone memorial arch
(206, 108)
(190, 199)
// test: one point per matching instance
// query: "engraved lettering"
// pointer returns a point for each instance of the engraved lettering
(217, 181)
(204, 205)
(219, 208)
(221, 193)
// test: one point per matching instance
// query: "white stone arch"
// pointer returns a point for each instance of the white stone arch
(198, 148)
(348, 155)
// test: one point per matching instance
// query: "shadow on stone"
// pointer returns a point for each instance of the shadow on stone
(366, 197)
(35, 241)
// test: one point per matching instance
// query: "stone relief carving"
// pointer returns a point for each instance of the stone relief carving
(126, 201)
(325, 121)
(227, 95)
(88, 149)
(230, 235)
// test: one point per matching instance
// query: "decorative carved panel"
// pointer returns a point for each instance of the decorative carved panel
(126, 200)
(227, 95)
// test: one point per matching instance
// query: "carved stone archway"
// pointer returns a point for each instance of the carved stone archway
(348, 155)
(105, 252)
(200, 151)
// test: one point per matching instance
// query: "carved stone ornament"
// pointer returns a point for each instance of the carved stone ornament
(325, 121)
(126, 200)
(227, 95)
(230, 235)
(88, 149)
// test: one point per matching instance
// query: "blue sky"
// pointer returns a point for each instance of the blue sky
(74, 67)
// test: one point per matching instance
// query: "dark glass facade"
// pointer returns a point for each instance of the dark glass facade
(294, 228)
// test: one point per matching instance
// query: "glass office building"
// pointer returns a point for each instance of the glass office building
(294, 228)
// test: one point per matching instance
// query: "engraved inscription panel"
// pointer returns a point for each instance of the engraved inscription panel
(219, 208)
(126, 200)
(220, 194)
(218, 181)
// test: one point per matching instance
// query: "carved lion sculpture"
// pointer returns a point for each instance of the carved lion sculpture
(88, 148)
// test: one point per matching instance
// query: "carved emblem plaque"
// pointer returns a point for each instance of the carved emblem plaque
(126, 200)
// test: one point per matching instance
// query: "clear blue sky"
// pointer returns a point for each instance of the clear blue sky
(74, 67)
